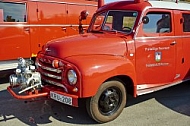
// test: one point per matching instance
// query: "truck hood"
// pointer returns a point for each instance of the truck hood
(86, 44)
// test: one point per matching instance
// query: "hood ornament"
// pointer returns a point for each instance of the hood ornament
(47, 50)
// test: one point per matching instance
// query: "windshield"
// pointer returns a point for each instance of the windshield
(121, 21)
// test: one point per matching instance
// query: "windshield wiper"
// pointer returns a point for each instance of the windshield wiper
(96, 31)
(116, 31)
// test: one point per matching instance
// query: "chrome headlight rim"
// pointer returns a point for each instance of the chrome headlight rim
(72, 77)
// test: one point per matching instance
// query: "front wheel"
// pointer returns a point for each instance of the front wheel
(108, 102)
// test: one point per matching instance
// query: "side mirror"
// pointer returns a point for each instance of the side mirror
(145, 20)
(84, 14)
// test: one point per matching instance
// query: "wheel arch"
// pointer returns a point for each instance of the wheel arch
(126, 81)
(101, 68)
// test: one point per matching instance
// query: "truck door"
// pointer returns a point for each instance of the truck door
(155, 49)
(14, 33)
(185, 51)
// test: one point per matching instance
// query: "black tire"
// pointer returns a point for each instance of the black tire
(108, 102)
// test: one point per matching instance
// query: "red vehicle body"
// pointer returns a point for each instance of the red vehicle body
(26, 25)
(132, 47)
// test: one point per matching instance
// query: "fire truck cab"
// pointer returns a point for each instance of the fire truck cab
(132, 47)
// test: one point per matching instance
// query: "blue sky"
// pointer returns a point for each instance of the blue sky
(108, 1)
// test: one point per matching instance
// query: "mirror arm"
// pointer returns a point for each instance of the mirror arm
(81, 30)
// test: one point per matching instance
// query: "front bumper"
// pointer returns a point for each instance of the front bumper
(45, 92)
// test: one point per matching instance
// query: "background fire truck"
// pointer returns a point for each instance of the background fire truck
(26, 25)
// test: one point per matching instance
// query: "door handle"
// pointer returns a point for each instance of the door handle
(173, 43)
(27, 29)
(64, 29)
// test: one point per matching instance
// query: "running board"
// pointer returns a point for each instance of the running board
(153, 89)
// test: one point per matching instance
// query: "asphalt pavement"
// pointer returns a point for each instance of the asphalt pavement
(168, 107)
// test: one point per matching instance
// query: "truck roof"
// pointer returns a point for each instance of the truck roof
(170, 5)
(139, 5)
(57, 1)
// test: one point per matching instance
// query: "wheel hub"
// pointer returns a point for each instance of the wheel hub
(109, 101)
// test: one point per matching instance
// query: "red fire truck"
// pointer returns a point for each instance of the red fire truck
(132, 47)
(26, 25)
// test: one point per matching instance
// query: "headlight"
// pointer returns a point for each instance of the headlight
(72, 77)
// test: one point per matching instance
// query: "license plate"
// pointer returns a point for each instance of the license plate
(61, 98)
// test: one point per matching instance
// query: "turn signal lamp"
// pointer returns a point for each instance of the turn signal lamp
(55, 63)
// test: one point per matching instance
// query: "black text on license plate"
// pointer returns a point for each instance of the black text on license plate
(61, 98)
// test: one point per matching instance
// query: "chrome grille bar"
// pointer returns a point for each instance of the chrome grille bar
(49, 69)
(52, 76)
(56, 84)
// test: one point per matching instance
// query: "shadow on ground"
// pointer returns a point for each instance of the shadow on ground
(39, 111)
(176, 98)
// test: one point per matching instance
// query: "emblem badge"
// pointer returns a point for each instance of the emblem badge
(47, 50)
(158, 56)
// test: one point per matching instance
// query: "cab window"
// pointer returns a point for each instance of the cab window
(120, 21)
(158, 23)
(186, 22)
(12, 12)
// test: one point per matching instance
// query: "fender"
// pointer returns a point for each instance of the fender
(96, 69)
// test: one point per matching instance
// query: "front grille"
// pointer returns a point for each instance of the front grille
(49, 74)
(55, 83)
(50, 69)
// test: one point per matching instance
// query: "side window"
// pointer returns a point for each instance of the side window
(1, 15)
(186, 23)
(108, 23)
(12, 12)
(158, 23)
(98, 22)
